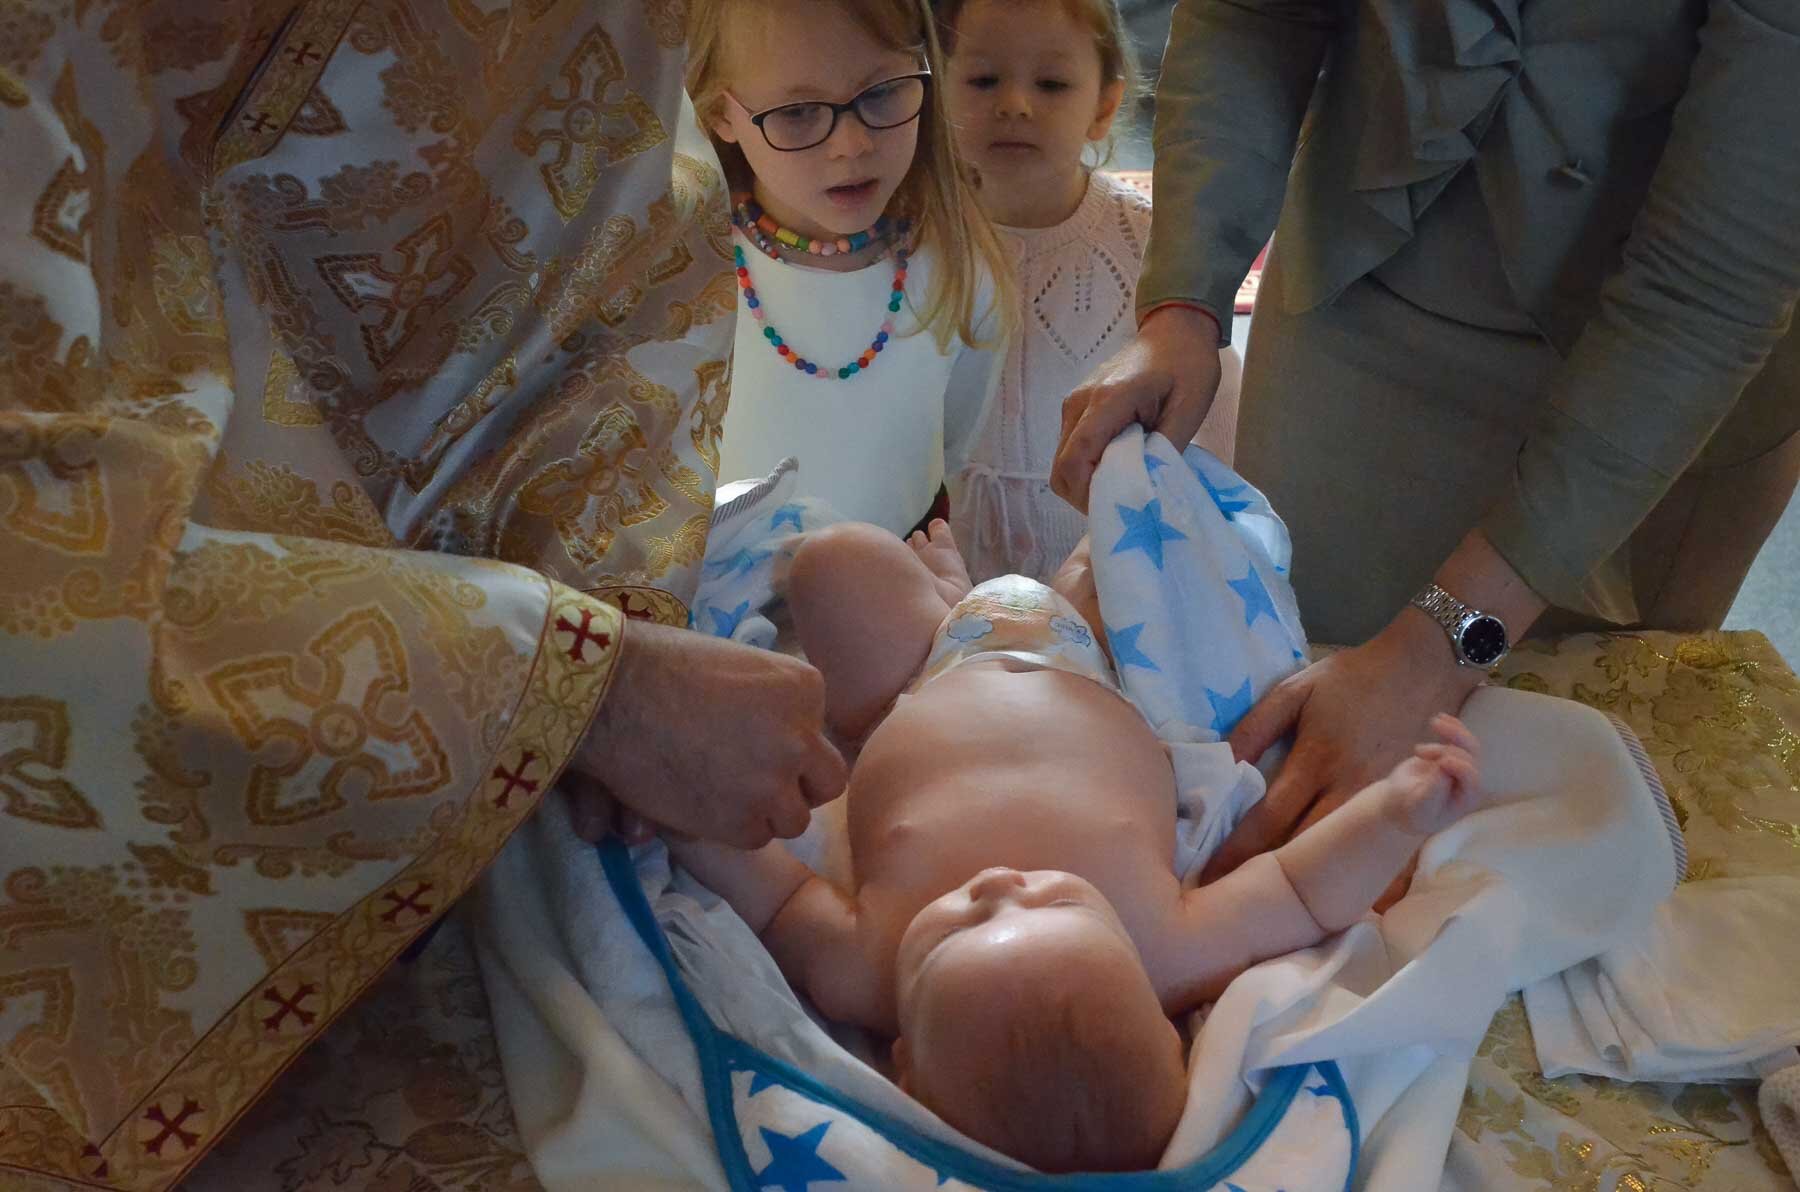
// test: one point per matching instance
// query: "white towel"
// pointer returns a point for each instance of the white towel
(1779, 1102)
(1703, 992)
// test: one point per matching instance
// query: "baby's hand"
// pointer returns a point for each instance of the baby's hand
(1441, 782)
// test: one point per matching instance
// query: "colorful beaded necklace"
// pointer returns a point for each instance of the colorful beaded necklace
(765, 233)
(896, 294)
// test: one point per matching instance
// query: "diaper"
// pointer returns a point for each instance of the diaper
(1023, 622)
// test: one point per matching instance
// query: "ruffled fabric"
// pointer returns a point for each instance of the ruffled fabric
(1449, 68)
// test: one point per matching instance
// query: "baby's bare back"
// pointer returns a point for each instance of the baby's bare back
(1038, 769)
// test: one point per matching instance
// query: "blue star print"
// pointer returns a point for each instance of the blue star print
(1153, 465)
(787, 513)
(1223, 497)
(1228, 709)
(725, 623)
(1255, 597)
(759, 1082)
(742, 563)
(794, 1162)
(1125, 650)
(1145, 530)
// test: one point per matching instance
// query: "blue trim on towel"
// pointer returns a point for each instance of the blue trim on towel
(1334, 1077)
(719, 1053)
(615, 861)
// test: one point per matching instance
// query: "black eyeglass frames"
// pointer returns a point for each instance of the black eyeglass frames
(890, 103)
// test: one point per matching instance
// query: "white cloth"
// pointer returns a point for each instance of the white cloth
(1779, 1102)
(876, 446)
(1077, 289)
(1707, 990)
(1574, 858)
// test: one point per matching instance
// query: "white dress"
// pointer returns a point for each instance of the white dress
(874, 447)
(1077, 285)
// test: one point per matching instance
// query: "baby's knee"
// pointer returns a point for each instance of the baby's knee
(847, 547)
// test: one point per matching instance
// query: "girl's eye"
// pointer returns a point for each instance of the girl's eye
(1052, 85)
(983, 82)
(796, 120)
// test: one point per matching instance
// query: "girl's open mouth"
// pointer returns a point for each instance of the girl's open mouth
(853, 194)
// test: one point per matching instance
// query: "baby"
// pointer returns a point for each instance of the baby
(1015, 922)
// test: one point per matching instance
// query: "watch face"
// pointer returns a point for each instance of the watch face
(1484, 641)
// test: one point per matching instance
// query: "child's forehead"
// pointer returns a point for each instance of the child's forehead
(1052, 27)
(844, 55)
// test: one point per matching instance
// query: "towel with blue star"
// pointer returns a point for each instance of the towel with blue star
(789, 1108)
(1191, 567)
(756, 527)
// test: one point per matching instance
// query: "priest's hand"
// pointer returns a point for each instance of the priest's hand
(709, 738)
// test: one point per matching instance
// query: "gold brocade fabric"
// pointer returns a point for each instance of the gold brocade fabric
(1719, 714)
(405, 1094)
(358, 362)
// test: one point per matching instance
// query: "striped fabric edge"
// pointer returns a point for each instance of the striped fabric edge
(753, 495)
(1654, 780)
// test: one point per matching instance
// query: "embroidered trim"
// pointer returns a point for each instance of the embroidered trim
(277, 93)
(234, 1063)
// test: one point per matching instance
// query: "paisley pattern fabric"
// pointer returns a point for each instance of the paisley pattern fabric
(359, 363)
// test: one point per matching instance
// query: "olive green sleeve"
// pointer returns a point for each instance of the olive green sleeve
(1705, 290)
(1236, 79)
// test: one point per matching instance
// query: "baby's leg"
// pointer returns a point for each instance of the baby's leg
(1074, 582)
(866, 607)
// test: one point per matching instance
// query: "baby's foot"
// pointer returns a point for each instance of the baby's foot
(1441, 782)
(936, 548)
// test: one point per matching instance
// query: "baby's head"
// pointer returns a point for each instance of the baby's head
(1027, 1021)
(1032, 84)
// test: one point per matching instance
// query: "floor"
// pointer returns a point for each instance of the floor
(1770, 598)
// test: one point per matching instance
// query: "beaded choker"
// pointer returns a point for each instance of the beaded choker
(766, 234)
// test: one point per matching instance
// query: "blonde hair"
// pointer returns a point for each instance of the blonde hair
(1118, 61)
(937, 194)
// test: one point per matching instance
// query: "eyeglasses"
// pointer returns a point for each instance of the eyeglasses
(795, 126)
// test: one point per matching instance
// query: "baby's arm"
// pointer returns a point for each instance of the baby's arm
(810, 927)
(1328, 876)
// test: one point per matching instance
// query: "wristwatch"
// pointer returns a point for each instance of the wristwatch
(1478, 638)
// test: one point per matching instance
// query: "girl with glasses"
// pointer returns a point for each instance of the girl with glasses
(872, 292)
